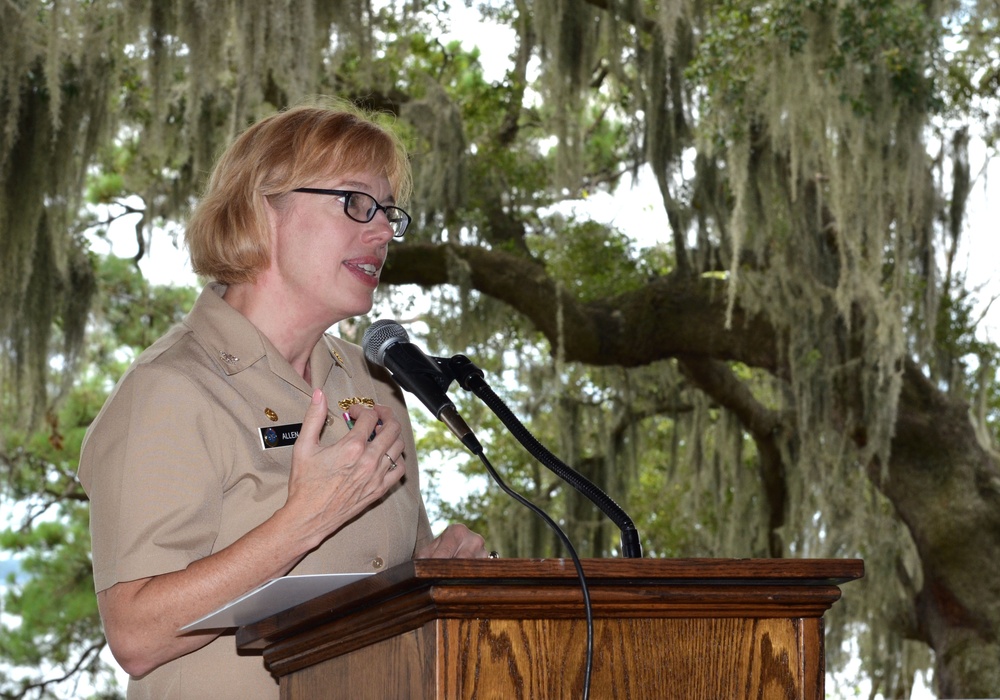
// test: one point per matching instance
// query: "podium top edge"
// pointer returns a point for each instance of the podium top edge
(677, 571)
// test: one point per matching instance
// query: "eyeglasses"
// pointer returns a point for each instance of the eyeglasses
(362, 208)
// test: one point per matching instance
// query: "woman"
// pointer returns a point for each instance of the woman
(223, 458)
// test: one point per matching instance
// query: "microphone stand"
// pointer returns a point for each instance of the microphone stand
(461, 369)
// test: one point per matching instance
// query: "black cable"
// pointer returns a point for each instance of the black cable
(572, 554)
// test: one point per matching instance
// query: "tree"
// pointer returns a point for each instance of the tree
(799, 351)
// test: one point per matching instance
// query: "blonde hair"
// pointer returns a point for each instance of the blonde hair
(228, 234)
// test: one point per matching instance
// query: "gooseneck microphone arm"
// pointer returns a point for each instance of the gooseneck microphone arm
(471, 378)
(387, 344)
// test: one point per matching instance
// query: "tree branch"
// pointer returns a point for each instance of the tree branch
(668, 317)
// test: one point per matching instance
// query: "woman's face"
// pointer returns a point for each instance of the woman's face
(327, 265)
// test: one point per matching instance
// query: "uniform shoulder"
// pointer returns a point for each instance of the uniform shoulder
(179, 348)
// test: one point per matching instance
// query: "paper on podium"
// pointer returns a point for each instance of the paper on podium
(272, 597)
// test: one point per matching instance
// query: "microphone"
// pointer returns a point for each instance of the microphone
(387, 344)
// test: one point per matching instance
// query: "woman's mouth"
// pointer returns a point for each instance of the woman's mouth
(365, 271)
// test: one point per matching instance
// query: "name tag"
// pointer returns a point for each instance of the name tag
(279, 435)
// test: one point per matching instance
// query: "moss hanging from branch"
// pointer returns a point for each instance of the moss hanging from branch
(55, 96)
(571, 35)
(175, 80)
(828, 168)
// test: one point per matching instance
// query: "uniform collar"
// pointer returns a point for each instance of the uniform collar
(236, 344)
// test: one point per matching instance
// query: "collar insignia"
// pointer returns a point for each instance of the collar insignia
(338, 358)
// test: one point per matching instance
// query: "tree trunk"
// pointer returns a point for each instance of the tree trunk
(946, 488)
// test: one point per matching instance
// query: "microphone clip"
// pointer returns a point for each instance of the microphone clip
(461, 369)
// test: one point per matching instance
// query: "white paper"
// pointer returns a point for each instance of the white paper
(272, 597)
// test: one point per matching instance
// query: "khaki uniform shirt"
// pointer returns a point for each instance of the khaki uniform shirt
(176, 469)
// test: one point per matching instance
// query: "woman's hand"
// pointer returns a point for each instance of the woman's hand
(456, 542)
(331, 485)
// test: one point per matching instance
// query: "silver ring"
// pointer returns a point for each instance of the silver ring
(494, 554)
(391, 461)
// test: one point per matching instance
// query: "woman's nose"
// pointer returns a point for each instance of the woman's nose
(380, 226)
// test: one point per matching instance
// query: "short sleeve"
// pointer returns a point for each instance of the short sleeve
(152, 465)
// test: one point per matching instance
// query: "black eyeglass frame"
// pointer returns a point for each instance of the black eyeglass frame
(347, 194)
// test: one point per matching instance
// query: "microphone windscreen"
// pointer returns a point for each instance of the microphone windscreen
(379, 337)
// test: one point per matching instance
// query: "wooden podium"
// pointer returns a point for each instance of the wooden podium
(716, 629)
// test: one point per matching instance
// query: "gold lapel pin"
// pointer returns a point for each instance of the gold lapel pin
(351, 401)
